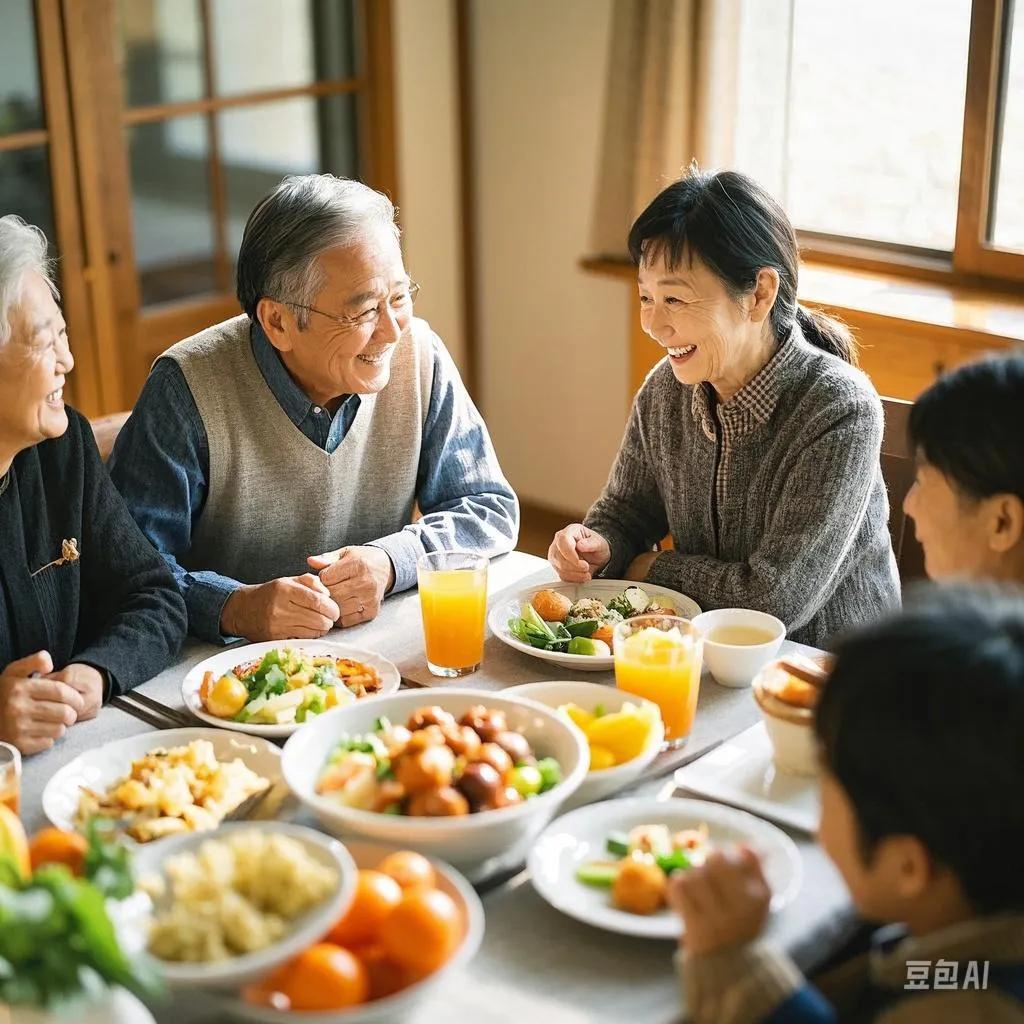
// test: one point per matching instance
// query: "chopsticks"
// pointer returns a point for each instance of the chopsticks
(150, 711)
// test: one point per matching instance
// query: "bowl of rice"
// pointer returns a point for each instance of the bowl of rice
(228, 906)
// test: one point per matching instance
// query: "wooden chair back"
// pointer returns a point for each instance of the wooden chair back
(898, 474)
(105, 429)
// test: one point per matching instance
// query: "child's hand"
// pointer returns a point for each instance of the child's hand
(724, 903)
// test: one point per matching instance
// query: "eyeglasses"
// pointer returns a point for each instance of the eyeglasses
(401, 302)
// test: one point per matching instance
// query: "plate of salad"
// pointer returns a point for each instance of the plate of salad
(571, 624)
(272, 688)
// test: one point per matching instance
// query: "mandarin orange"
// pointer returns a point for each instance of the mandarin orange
(423, 931)
(323, 977)
(55, 846)
(410, 870)
(376, 896)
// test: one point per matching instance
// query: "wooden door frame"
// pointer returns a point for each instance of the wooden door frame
(104, 191)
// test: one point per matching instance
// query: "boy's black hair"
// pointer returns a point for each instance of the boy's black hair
(922, 723)
(969, 426)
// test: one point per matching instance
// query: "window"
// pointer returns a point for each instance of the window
(892, 128)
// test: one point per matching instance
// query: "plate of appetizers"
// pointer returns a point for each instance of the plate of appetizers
(272, 688)
(608, 864)
(571, 624)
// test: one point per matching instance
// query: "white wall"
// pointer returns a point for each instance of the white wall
(553, 339)
(429, 183)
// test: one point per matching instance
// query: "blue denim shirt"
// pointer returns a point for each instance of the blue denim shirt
(161, 466)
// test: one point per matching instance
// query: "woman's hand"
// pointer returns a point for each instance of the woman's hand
(89, 684)
(35, 712)
(576, 553)
(723, 903)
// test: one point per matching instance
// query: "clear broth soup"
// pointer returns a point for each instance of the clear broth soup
(740, 636)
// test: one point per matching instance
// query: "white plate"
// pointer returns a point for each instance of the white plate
(580, 836)
(102, 766)
(227, 660)
(400, 1005)
(603, 590)
(302, 932)
(741, 772)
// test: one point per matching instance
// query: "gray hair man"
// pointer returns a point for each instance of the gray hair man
(276, 460)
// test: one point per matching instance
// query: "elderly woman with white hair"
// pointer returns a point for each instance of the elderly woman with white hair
(87, 607)
(278, 460)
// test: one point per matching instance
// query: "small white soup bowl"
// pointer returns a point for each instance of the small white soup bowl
(736, 664)
(476, 844)
(602, 783)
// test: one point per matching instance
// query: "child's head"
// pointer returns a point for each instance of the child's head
(967, 501)
(921, 730)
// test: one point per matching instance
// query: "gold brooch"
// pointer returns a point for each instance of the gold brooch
(68, 553)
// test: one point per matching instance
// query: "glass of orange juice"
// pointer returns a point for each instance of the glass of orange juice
(659, 657)
(453, 598)
(10, 776)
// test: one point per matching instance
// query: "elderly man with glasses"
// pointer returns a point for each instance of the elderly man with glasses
(277, 460)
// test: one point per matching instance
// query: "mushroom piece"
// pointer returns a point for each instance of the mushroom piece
(433, 715)
(419, 770)
(495, 756)
(488, 723)
(444, 802)
(482, 786)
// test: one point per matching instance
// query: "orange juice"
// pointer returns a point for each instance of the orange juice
(10, 776)
(454, 605)
(664, 667)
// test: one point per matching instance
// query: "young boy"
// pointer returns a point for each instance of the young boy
(921, 733)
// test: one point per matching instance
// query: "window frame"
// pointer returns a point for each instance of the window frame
(974, 261)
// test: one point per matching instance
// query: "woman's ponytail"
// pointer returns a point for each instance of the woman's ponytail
(827, 333)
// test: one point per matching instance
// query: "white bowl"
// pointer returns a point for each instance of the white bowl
(736, 664)
(477, 844)
(399, 1006)
(602, 783)
(305, 930)
(100, 767)
(224, 661)
(574, 839)
(603, 590)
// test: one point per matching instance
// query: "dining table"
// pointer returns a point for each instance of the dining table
(535, 964)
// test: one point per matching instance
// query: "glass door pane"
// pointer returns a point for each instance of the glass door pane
(260, 145)
(1008, 186)
(175, 236)
(21, 107)
(280, 44)
(161, 51)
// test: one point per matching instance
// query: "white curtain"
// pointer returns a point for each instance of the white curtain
(679, 71)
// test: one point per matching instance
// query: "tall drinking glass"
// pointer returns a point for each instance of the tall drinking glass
(453, 598)
(10, 777)
(659, 657)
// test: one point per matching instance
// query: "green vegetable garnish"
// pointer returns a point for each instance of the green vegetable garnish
(56, 939)
(597, 873)
(677, 860)
(550, 773)
(526, 779)
(617, 844)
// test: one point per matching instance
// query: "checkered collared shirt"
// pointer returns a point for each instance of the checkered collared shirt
(750, 407)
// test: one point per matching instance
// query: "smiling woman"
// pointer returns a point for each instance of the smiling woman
(755, 442)
(87, 607)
